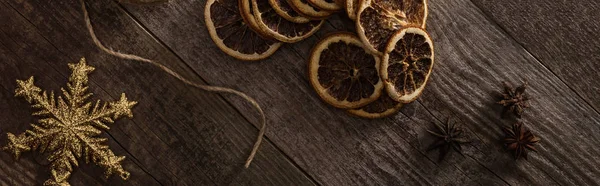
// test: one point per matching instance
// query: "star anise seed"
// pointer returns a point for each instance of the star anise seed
(518, 139)
(514, 100)
(449, 137)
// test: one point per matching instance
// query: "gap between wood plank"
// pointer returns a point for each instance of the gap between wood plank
(266, 138)
(100, 88)
(218, 94)
(295, 52)
(439, 120)
(505, 32)
(490, 19)
(475, 159)
(289, 158)
(223, 101)
(107, 132)
(434, 117)
(481, 164)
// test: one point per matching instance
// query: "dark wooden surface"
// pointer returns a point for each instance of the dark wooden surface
(183, 136)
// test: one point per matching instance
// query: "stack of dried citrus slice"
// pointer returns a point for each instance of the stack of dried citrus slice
(254, 29)
(385, 65)
(371, 73)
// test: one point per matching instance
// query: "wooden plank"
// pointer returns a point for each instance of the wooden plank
(468, 26)
(333, 147)
(179, 135)
(563, 35)
(31, 169)
(473, 57)
(391, 145)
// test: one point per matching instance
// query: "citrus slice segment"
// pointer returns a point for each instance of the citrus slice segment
(307, 10)
(343, 73)
(228, 31)
(248, 15)
(287, 12)
(377, 20)
(278, 27)
(352, 8)
(407, 63)
(380, 108)
(327, 5)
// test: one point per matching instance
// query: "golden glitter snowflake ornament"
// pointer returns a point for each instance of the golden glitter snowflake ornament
(69, 128)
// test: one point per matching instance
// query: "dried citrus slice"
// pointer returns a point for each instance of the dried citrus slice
(308, 10)
(343, 73)
(287, 12)
(352, 8)
(377, 20)
(278, 27)
(228, 31)
(407, 63)
(247, 13)
(327, 5)
(380, 108)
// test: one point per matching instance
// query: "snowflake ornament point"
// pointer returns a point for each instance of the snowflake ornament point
(70, 126)
(15, 145)
(26, 88)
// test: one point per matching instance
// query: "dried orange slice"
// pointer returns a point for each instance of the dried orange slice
(228, 31)
(287, 12)
(327, 5)
(380, 108)
(343, 73)
(352, 8)
(278, 27)
(307, 10)
(247, 13)
(377, 20)
(407, 63)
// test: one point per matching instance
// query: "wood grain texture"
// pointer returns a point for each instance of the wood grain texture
(563, 35)
(179, 135)
(469, 71)
(333, 147)
(182, 136)
(474, 57)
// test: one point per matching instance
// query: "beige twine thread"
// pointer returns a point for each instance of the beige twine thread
(261, 132)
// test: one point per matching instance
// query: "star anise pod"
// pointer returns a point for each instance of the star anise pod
(514, 100)
(449, 136)
(518, 139)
